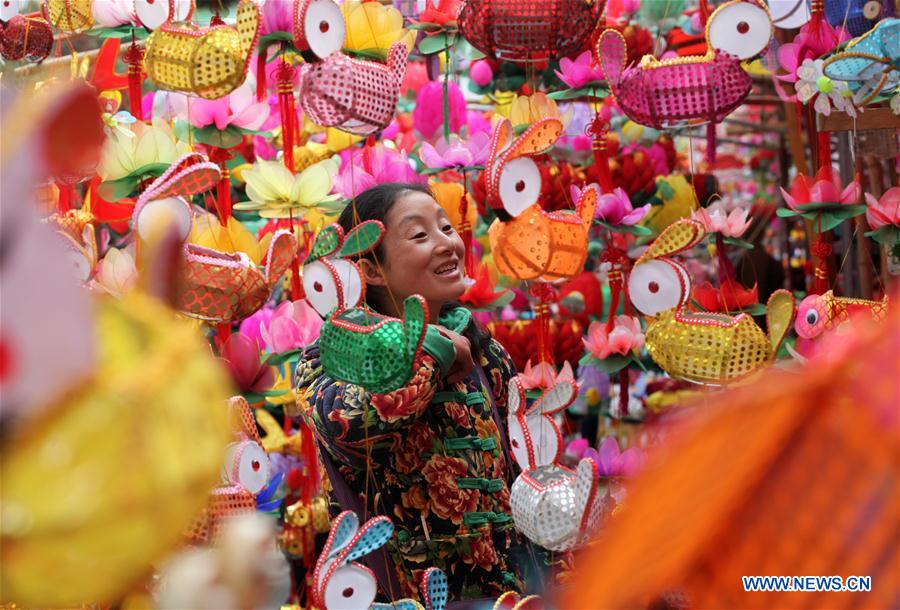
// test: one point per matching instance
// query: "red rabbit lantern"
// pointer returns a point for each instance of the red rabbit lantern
(522, 31)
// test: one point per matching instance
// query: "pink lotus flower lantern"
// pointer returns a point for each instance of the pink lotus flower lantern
(238, 108)
(715, 220)
(580, 71)
(363, 168)
(885, 211)
(544, 375)
(456, 152)
(615, 208)
(804, 191)
(294, 325)
(625, 337)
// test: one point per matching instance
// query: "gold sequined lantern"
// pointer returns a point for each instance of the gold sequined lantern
(209, 62)
(70, 16)
(706, 348)
(97, 492)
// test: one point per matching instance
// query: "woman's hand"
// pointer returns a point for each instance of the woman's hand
(464, 363)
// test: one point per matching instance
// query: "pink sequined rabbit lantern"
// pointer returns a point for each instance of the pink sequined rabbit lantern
(700, 88)
(353, 95)
(553, 506)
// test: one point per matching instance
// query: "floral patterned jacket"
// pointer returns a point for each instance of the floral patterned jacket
(430, 458)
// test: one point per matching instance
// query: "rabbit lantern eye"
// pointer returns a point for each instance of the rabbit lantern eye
(247, 465)
(658, 285)
(332, 283)
(351, 587)
(520, 185)
(174, 210)
(154, 13)
(9, 9)
(323, 27)
(740, 28)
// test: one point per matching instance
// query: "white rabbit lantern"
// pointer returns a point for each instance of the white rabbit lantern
(343, 584)
(340, 582)
(553, 506)
(245, 473)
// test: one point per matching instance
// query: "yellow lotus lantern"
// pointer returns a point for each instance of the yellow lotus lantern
(449, 195)
(528, 109)
(372, 26)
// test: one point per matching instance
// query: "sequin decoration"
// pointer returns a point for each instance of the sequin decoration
(28, 38)
(524, 31)
(355, 96)
(209, 62)
(70, 16)
(870, 64)
(374, 351)
(553, 506)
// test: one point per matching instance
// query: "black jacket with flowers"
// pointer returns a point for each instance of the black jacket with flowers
(430, 458)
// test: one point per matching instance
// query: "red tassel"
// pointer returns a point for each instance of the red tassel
(465, 231)
(367, 153)
(261, 74)
(824, 141)
(544, 294)
(704, 13)
(711, 145)
(822, 250)
(598, 129)
(816, 11)
(134, 57)
(288, 112)
(221, 156)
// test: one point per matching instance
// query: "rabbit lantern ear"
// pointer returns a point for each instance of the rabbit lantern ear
(679, 236)
(434, 589)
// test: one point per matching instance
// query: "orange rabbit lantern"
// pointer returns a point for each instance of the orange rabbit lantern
(529, 243)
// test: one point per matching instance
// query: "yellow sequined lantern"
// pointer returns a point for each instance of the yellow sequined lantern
(707, 348)
(95, 493)
(206, 61)
(70, 16)
(528, 243)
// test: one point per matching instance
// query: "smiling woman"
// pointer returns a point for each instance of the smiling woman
(431, 455)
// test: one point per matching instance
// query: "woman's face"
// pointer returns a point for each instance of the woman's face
(422, 253)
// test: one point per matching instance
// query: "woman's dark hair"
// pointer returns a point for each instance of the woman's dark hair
(374, 204)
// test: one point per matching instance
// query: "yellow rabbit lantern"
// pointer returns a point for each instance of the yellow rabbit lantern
(527, 242)
(209, 62)
(705, 348)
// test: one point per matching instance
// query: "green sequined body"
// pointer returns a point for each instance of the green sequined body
(370, 350)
